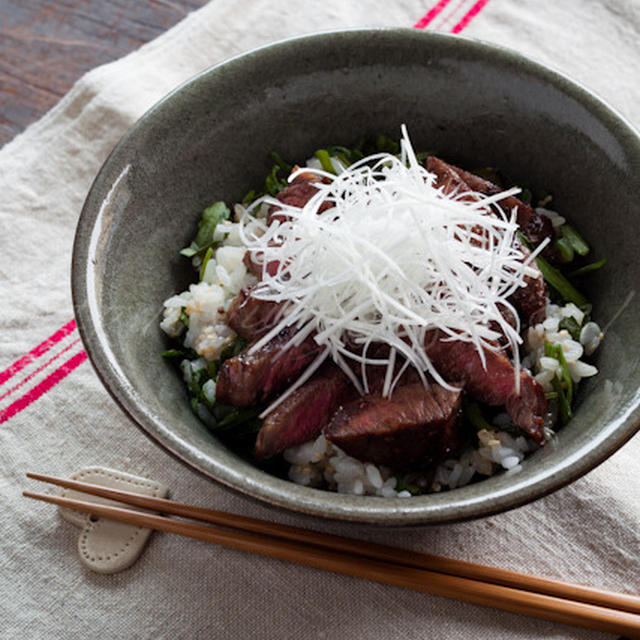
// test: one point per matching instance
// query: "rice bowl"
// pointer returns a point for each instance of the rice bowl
(490, 104)
(236, 260)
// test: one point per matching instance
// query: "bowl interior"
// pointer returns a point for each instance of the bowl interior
(473, 104)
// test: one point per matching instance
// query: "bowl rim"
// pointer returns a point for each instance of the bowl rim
(283, 493)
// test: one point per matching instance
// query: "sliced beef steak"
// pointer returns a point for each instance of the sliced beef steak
(296, 194)
(256, 267)
(494, 385)
(534, 225)
(251, 317)
(252, 378)
(416, 428)
(302, 415)
(529, 300)
(448, 177)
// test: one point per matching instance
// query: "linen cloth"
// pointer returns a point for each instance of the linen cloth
(56, 417)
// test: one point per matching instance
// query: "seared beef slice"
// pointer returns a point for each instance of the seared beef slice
(494, 384)
(533, 224)
(296, 194)
(417, 427)
(250, 317)
(529, 300)
(302, 415)
(249, 378)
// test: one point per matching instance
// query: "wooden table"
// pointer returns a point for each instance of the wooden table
(46, 45)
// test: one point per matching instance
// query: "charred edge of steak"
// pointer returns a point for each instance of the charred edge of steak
(494, 385)
(251, 317)
(249, 379)
(416, 428)
(302, 415)
(534, 225)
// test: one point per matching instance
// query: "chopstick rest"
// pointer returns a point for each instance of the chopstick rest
(108, 546)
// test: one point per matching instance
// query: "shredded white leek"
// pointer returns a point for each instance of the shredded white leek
(393, 259)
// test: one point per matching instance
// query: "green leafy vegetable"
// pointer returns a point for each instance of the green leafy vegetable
(556, 280)
(273, 185)
(211, 217)
(594, 266)
(574, 239)
(205, 261)
(195, 384)
(212, 368)
(232, 349)
(572, 326)
(251, 196)
(285, 166)
(325, 160)
(174, 354)
(387, 144)
(472, 412)
(184, 318)
(563, 384)
(565, 249)
(368, 145)
(566, 375)
(238, 416)
(403, 485)
(241, 422)
(345, 155)
(564, 405)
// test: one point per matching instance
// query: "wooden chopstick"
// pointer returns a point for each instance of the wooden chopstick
(470, 570)
(473, 591)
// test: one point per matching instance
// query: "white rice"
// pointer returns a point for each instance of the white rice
(206, 302)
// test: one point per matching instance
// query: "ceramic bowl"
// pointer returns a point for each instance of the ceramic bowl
(477, 105)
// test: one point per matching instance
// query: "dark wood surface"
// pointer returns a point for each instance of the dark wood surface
(46, 45)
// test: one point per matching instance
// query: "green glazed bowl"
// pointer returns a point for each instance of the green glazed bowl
(477, 104)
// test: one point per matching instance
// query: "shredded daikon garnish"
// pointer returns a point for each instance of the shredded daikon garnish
(394, 259)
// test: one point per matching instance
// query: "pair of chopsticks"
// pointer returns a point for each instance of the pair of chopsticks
(544, 598)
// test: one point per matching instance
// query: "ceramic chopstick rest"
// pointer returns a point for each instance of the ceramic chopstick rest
(107, 546)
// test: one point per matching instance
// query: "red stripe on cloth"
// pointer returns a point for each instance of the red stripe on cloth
(469, 16)
(39, 369)
(43, 347)
(431, 14)
(42, 387)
